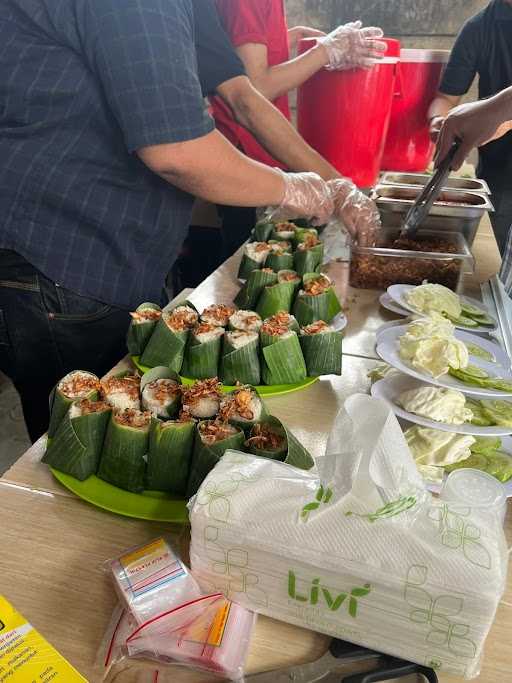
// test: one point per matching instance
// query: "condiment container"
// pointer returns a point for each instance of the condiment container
(453, 183)
(435, 255)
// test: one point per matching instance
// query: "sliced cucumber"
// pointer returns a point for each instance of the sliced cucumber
(500, 412)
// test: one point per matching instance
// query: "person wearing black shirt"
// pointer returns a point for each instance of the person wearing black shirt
(484, 47)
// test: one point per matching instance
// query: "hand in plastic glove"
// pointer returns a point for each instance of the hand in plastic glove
(351, 46)
(475, 124)
(306, 195)
(355, 210)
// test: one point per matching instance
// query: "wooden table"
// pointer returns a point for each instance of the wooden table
(53, 545)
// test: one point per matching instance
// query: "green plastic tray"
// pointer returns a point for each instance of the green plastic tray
(152, 505)
(262, 389)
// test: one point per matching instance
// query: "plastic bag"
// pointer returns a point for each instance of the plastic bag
(358, 550)
(151, 579)
(212, 634)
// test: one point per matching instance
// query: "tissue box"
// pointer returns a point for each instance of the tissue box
(363, 552)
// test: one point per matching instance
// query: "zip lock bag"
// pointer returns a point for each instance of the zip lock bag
(358, 548)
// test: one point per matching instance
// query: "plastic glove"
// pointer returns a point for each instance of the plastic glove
(355, 210)
(351, 46)
(306, 195)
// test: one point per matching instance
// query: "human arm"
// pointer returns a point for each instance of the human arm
(298, 33)
(459, 74)
(475, 124)
(272, 130)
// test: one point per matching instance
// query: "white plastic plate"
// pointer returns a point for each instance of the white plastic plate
(392, 386)
(396, 293)
(388, 350)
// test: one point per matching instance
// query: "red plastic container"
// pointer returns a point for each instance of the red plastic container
(345, 115)
(408, 146)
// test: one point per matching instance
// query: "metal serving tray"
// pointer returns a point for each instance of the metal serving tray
(454, 183)
(454, 211)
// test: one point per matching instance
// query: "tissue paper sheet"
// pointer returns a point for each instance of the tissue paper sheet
(363, 552)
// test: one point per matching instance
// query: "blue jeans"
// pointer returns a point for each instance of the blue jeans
(46, 331)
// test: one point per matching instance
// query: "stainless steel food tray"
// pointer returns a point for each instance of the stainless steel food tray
(415, 179)
(454, 211)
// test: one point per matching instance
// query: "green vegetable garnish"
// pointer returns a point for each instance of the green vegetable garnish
(463, 320)
(476, 461)
(479, 352)
(480, 419)
(485, 382)
(500, 412)
(484, 319)
(484, 445)
(470, 310)
(500, 466)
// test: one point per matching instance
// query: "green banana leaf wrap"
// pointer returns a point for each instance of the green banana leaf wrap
(275, 298)
(249, 294)
(309, 308)
(308, 260)
(243, 407)
(282, 359)
(122, 459)
(201, 358)
(140, 332)
(171, 407)
(285, 245)
(247, 266)
(170, 455)
(206, 456)
(262, 230)
(322, 353)
(165, 347)
(291, 277)
(240, 364)
(60, 400)
(76, 447)
(287, 233)
(277, 442)
(279, 261)
(303, 234)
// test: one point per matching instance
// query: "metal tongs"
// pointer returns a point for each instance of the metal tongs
(332, 668)
(421, 207)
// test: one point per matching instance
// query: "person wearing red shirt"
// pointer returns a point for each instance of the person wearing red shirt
(259, 33)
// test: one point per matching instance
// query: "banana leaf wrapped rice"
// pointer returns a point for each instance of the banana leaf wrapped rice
(254, 257)
(201, 400)
(309, 255)
(240, 358)
(249, 294)
(262, 230)
(217, 314)
(282, 359)
(321, 346)
(121, 392)
(161, 393)
(279, 296)
(203, 351)
(76, 447)
(170, 454)
(166, 345)
(284, 230)
(316, 300)
(126, 443)
(242, 408)
(279, 258)
(271, 439)
(143, 322)
(284, 319)
(213, 439)
(73, 387)
(245, 321)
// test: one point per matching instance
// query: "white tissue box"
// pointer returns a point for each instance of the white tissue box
(365, 553)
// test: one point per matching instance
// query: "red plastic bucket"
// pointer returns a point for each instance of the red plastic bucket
(408, 146)
(344, 115)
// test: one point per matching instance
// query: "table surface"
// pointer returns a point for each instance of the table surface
(54, 545)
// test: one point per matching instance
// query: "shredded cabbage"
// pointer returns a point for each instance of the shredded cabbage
(430, 298)
(441, 405)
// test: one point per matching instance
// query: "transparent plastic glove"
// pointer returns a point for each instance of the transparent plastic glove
(355, 210)
(350, 46)
(306, 195)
